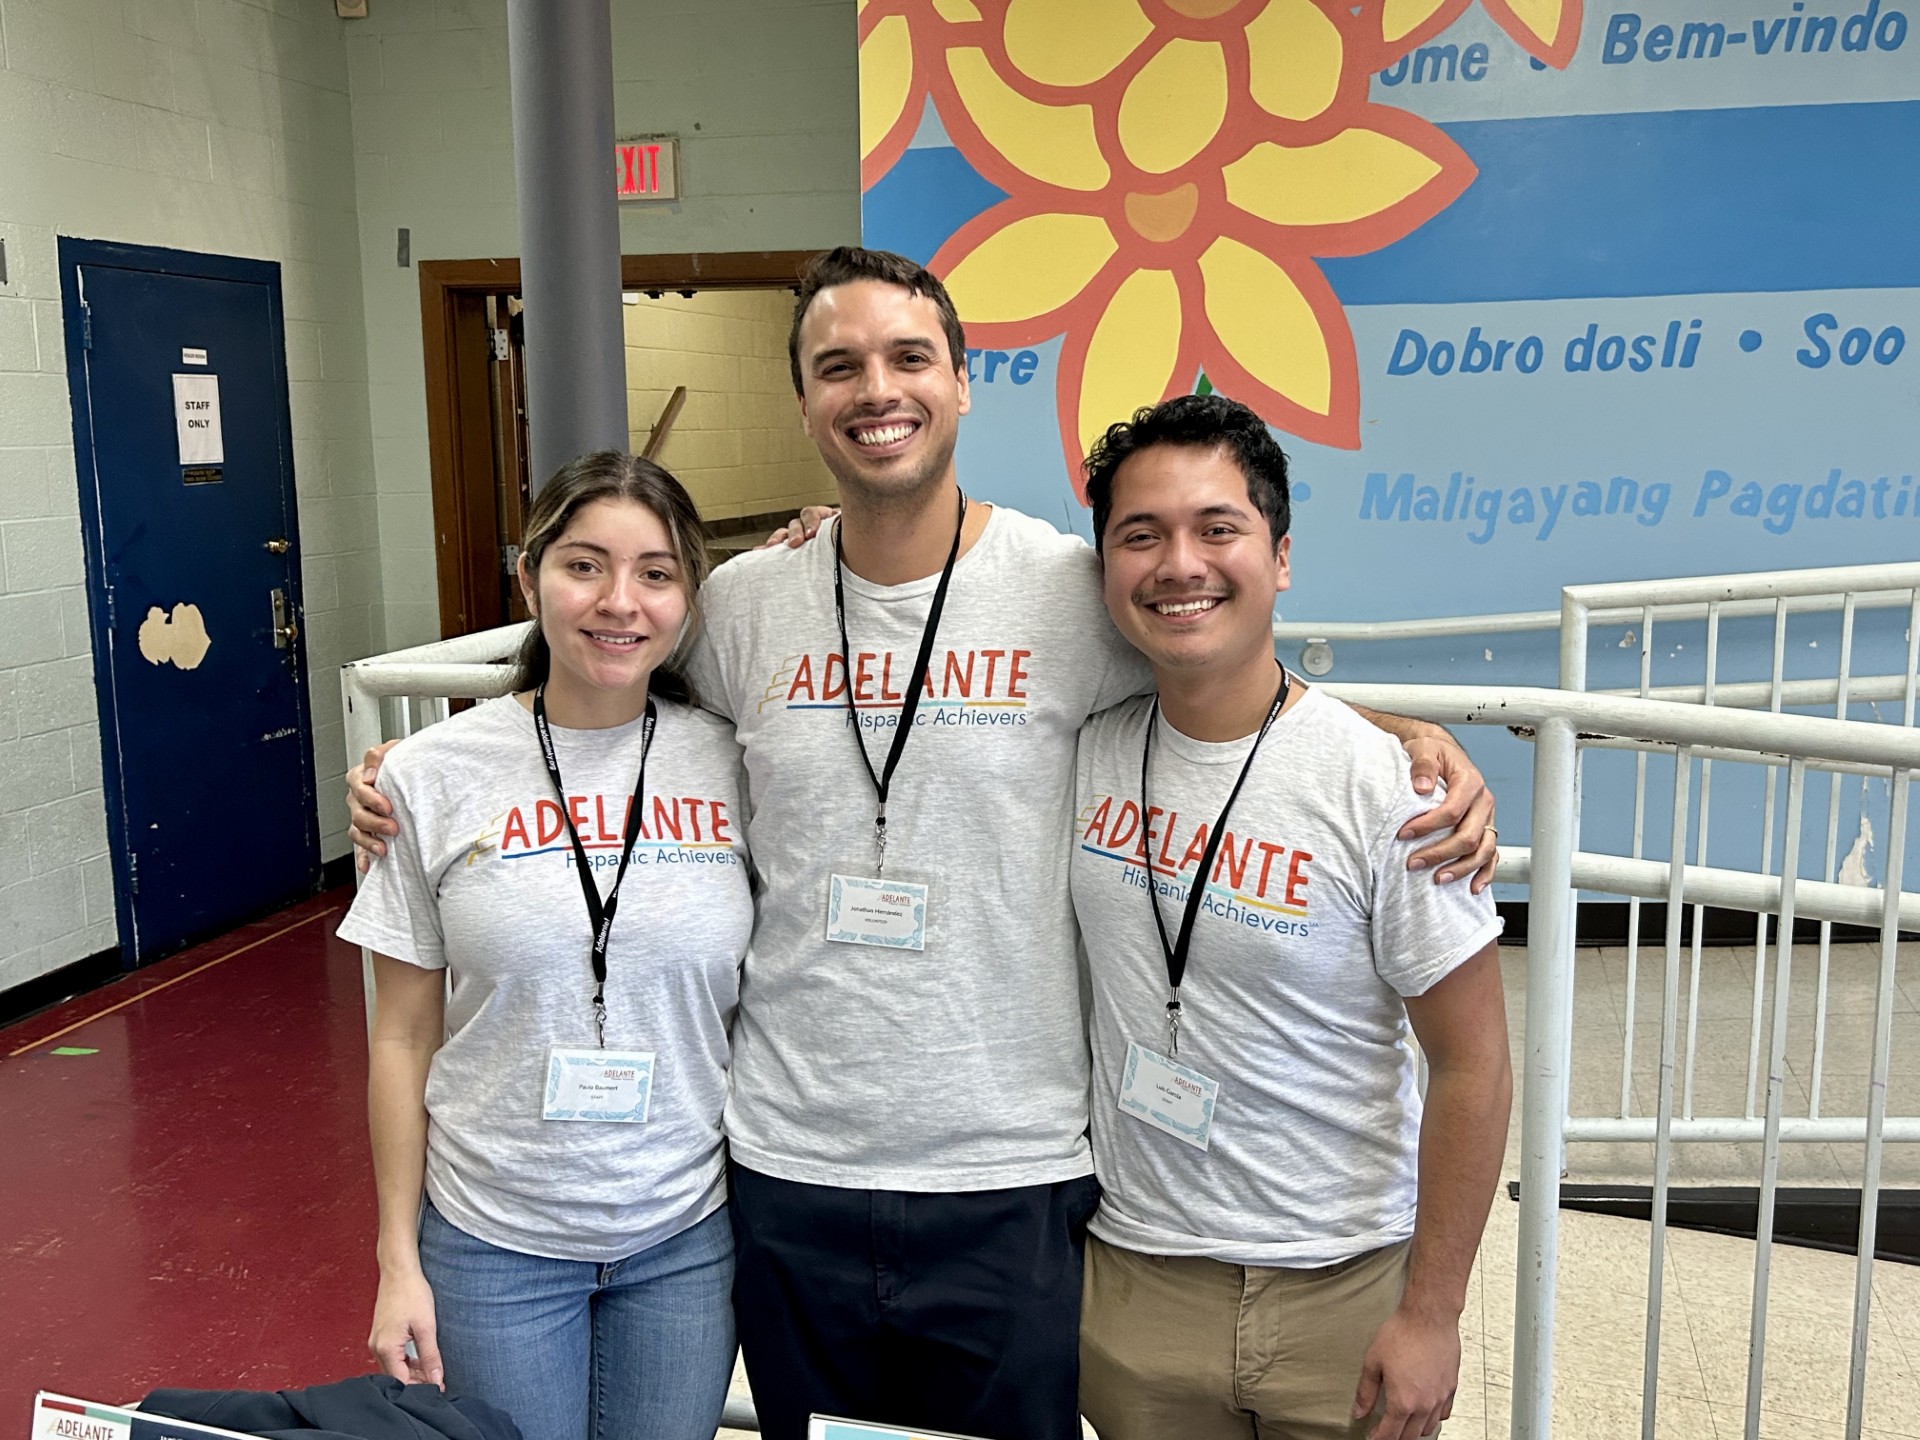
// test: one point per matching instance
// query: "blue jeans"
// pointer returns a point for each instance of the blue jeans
(639, 1349)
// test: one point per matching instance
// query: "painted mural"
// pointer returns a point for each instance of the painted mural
(1173, 173)
(1534, 292)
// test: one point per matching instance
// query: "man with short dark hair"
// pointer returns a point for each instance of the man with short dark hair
(1284, 1237)
(911, 1176)
(908, 1115)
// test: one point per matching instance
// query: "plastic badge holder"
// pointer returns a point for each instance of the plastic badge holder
(826, 1427)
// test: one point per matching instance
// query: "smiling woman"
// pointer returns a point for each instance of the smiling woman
(559, 1104)
(614, 555)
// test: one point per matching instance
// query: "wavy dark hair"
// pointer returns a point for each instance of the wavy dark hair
(849, 263)
(616, 475)
(1200, 422)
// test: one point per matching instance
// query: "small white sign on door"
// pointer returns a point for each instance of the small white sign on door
(196, 418)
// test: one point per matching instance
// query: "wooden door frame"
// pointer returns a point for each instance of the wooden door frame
(459, 426)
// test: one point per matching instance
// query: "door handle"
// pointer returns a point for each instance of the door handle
(285, 630)
(278, 546)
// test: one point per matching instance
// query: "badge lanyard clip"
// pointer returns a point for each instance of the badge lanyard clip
(1175, 951)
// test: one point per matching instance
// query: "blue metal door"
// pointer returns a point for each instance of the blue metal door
(177, 367)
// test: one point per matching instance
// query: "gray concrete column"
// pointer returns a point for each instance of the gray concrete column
(560, 62)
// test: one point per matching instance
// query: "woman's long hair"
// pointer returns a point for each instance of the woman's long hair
(616, 475)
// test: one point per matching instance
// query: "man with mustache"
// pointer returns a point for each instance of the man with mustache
(1284, 1236)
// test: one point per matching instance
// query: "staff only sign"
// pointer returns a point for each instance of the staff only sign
(1532, 294)
(196, 419)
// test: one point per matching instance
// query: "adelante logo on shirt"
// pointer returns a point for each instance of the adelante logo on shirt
(674, 830)
(1256, 883)
(981, 686)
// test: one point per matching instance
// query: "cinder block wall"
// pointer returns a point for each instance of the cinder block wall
(221, 127)
(737, 444)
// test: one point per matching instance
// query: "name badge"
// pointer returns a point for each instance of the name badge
(864, 911)
(609, 1086)
(1168, 1096)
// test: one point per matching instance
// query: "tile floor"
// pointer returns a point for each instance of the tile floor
(1707, 1279)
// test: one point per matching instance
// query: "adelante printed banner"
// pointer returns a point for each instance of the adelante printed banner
(1533, 292)
(61, 1417)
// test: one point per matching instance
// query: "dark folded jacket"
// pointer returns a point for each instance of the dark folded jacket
(367, 1407)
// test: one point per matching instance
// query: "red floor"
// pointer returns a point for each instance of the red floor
(191, 1203)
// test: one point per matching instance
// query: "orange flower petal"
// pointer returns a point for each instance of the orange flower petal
(1072, 42)
(1548, 30)
(1028, 267)
(1396, 27)
(1054, 144)
(1174, 106)
(1296, 55)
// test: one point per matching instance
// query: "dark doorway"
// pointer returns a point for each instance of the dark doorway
(476, 411)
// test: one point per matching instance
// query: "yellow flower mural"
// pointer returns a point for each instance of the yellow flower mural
(1548, 30)
(897, 37)
(1172, 169)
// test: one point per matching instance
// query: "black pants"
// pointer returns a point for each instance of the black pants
(957, 1312)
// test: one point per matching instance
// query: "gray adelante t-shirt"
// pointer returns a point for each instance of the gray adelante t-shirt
(962, 1066)
(1311, 931)
(481, 881)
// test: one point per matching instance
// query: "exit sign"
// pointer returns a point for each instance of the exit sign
(647, 168)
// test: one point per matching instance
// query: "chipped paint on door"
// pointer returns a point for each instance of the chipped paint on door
(177, 639)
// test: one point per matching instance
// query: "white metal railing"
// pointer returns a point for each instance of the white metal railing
(1557, 868)
(385, 697)
(1691, 616)
(392, 695)
(1778, 595)
(1848, 590)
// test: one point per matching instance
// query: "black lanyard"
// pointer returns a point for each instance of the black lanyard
(883, 781)
(598, 910)
(1176, 951)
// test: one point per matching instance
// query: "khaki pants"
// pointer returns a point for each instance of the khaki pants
(1202, 1349)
